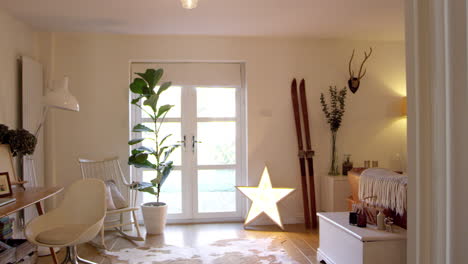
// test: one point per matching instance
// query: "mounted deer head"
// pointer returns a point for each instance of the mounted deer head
(355, 81)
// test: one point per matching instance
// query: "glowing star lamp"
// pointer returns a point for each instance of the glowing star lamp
(264, 199)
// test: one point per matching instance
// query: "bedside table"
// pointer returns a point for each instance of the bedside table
(336, 191)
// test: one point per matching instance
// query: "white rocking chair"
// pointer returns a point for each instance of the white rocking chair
(109, 169)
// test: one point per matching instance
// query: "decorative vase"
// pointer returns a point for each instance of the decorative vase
(347, 164)
(154, 216)
(334, 170)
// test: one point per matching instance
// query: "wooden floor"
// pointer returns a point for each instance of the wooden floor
(300, 244)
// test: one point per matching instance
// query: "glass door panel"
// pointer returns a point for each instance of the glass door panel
(216, 191)
(216, 102)
(218, 143)
(216, 152)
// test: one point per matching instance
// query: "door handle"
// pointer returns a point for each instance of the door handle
(184, 142)
(194, 142)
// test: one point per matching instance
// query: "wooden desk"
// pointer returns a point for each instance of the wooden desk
(27, 198)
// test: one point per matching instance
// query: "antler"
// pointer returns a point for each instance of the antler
(366, 56)
(351, 73)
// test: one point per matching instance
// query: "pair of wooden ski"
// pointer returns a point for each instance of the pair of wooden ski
(305, 154)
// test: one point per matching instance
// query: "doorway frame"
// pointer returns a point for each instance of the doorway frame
(242, 130)
(436, 65)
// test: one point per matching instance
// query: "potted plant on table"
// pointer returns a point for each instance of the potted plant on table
(21, 144)
(155, 154)
(21, 141)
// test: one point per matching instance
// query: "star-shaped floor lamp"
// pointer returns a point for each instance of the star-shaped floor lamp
(264, 199)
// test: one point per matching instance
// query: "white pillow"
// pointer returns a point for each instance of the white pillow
(109, 201)
(117, 197)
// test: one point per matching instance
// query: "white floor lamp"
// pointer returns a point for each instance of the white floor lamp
(59, 98)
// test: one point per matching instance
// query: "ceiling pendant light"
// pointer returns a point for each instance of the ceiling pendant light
(189, 4)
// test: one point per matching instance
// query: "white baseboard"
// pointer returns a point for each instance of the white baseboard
(263, 221)
(208, 220)
(322, 256)
(286, 221)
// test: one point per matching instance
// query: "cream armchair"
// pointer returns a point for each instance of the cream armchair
(77, 220)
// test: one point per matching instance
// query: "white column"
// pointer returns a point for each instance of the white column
(436, 34)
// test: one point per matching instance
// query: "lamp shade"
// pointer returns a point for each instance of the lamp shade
(60, 97)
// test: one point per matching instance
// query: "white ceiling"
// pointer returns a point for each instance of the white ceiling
(349, 19)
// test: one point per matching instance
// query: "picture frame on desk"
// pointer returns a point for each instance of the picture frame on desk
(5, 185)
(7, 165)
(6, 161)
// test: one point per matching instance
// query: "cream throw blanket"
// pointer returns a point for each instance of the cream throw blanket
(387, 188)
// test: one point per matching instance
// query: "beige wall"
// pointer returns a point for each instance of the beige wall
(16, 39)
(98, 65)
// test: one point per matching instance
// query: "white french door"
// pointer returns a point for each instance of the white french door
(207, 121)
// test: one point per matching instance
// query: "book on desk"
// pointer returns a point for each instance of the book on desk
(6, 200)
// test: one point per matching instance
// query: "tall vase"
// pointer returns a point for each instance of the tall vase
(334, 170)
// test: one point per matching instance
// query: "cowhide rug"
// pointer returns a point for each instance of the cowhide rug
(232, 251)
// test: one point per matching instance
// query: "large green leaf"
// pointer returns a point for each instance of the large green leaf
(163, 109)
(152, 101)
(142, 128)
(141, 185)
(161, 150)
(135, 141)
(147, 91)
(148, 190)
(136, 100)
(164, 139)
(164, 87)
(133, 160)
(137, 86)
(168, 152)
(141, 158)
(165, 172)
(143, 149)
(151, 76)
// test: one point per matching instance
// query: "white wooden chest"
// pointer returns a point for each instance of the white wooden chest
(342, 243)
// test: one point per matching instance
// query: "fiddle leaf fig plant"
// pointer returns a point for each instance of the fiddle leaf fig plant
(155, 154)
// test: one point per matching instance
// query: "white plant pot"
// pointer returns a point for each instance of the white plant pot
(154, 216)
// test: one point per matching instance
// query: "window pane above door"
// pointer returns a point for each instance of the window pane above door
(216, 102)
(216, 191)
(218, 143)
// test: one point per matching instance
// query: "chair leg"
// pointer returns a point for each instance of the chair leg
(72, 257)
(80, 260)
(103, 241)
(121, 222)
(137, 226)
